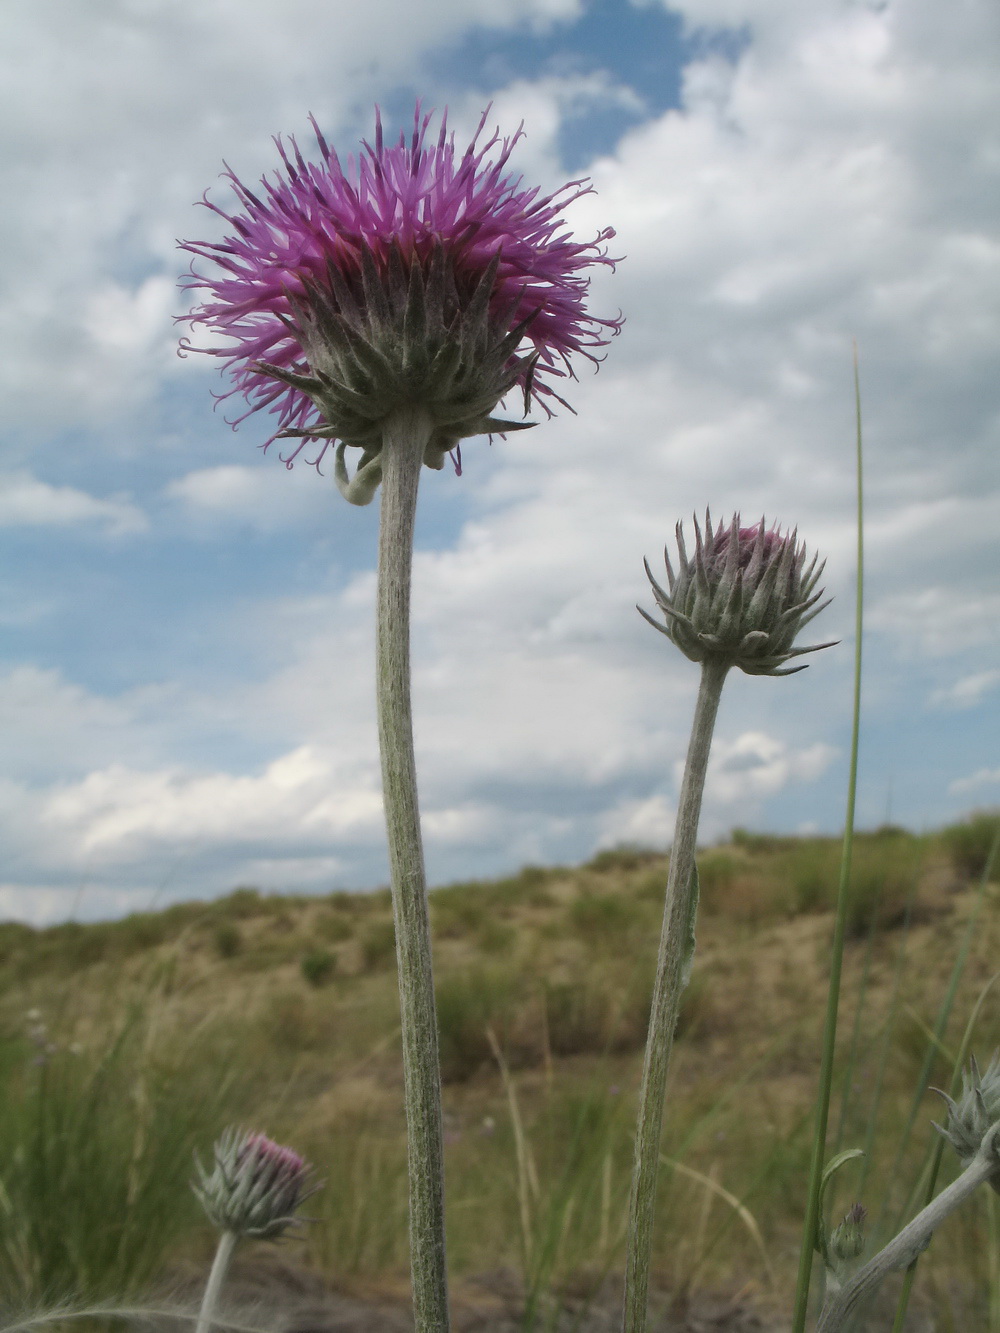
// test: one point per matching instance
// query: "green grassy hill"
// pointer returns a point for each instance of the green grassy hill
(125, 1045)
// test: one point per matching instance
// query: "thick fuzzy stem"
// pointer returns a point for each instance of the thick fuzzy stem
(841, 1307)
(670, 981)
(404, 442)
(220, 1266)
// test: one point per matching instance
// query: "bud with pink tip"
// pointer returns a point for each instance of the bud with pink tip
(741, 598)
(255, 1185)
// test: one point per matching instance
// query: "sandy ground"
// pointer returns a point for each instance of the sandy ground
(269, 1294)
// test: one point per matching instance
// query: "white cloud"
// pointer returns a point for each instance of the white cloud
(250, 495)
(967, 691)
(838, 179)
(117, 812)
(27, 502)
(754, 766)
(646, 823)
(984, 778)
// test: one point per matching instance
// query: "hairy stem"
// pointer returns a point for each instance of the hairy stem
(216, 1277)
(670, 981)
(900, 1253)
(404, 441)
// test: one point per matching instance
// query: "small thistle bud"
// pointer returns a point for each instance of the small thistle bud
(976, 1111)
(254, 1187)
(847, 1242)
(741, 599)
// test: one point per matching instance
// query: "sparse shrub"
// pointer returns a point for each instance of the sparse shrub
(969, 844)
(717, 872)
(810, 870)
(318, 966)
(228, 939)
(577, 1018)
(378, 945)
(467, 1004)
(651, 886)
(456, 911)
(496, 937)
(602, 919)
(884, 873)
(241, 903)
(333, 927)
(294, 1023)
(529, 887)
(759, 842)
(626, 856)
(15, 939)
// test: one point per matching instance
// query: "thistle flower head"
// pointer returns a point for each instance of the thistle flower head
(413, 274)
(741, 598)
(255, 1185)
(977, 1110)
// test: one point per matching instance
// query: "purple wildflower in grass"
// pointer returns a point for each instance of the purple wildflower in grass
(411, 275)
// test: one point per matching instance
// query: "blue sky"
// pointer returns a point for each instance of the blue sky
(185, 637)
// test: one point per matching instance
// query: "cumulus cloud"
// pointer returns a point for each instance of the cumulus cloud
(835, 178)
(977, 782)
(244, 494)
(26, 502)
(967, 691)
(754, 765)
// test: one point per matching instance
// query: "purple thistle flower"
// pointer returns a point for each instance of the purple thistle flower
(414, 274)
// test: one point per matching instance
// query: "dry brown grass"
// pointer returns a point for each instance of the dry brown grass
(557, 964)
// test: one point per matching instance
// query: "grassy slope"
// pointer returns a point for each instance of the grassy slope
(281, 1013)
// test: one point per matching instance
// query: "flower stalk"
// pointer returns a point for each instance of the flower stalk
(405, 440)
(672, 971)
(216, 1277)
(739, 600)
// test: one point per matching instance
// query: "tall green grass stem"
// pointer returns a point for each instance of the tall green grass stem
(809, 1231)
(669, 985)
(216, 1277)
(404, 441)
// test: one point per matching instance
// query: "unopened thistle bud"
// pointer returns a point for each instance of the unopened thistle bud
(847, 1242)
(976, 1111)
(255, 1185)
(741, 598)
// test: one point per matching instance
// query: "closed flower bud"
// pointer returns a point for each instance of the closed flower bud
(741, 598)
(976, 1111)
(255, 1186)
(848, 1240)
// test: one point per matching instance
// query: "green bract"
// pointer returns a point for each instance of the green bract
(976, 1111)
(255, 1185)
(407, 338)
(741, 598)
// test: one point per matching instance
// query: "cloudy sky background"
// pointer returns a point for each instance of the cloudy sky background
(186, 644)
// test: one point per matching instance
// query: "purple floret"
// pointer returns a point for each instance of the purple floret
(312, 216)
